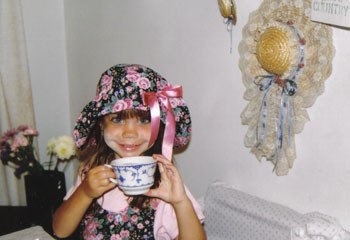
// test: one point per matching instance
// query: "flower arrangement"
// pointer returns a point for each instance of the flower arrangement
(63, 148)
(17, 150)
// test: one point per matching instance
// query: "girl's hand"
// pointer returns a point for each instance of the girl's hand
(96, 181)
(171, 188)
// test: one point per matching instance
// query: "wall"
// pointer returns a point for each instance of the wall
(46, 46)
(187, 42)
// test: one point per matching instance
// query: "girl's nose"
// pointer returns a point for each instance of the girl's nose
(129, 130)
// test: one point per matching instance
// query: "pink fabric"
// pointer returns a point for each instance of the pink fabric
(165, 224)
(151, 99)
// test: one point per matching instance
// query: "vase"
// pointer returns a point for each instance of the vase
(44, 194)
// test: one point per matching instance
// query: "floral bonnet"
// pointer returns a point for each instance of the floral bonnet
(131, 86)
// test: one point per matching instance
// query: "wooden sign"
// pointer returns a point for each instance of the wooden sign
(334, 12)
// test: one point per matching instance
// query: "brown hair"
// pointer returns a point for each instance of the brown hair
(99, 153)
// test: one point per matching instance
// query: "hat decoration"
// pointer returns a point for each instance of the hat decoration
(131, 86)
(228, 11)
(153, 99)
(285, 59)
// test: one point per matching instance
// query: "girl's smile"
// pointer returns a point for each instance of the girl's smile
(129, 148)
(127, 136)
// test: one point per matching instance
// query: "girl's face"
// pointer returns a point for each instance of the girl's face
(127, 136)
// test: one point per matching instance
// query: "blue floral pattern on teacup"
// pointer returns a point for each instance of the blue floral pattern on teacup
(135, 179)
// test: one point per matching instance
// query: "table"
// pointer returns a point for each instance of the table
(32, 233)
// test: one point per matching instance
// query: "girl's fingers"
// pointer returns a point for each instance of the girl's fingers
(96, 181)
(151, 193)
(161, 158)
(167, 165)
(163, 172)
(100, 175)
(106, 182)
(104, 172)
(171, 170)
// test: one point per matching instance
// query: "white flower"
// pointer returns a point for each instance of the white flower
(63, 151)
(50, 146)
(63, 147)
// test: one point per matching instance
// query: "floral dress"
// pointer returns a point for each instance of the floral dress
(129, 224)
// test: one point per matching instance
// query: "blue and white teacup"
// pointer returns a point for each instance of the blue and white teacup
(135, 175)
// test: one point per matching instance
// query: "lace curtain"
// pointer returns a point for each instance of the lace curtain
(16, 105)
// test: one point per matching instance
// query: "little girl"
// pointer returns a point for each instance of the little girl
(135, 112)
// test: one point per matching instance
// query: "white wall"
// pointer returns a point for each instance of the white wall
(187, 42)
(46, 46)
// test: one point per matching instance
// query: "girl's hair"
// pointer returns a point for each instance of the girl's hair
(99, 153)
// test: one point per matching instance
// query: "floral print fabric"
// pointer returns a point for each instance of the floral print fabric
(121, 88)
(129, 224)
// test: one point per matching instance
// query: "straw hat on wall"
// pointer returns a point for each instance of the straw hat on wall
(285, 59)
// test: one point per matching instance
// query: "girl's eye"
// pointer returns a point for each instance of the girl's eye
(117, 120)
(144, 120)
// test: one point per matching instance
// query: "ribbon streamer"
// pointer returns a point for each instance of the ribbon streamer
(228, 11)
(229, 23)
(152, 99)
(289, 88)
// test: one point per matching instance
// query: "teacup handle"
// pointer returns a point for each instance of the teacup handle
(111, 179)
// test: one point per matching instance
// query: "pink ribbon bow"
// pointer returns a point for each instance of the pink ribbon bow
(152, 99)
